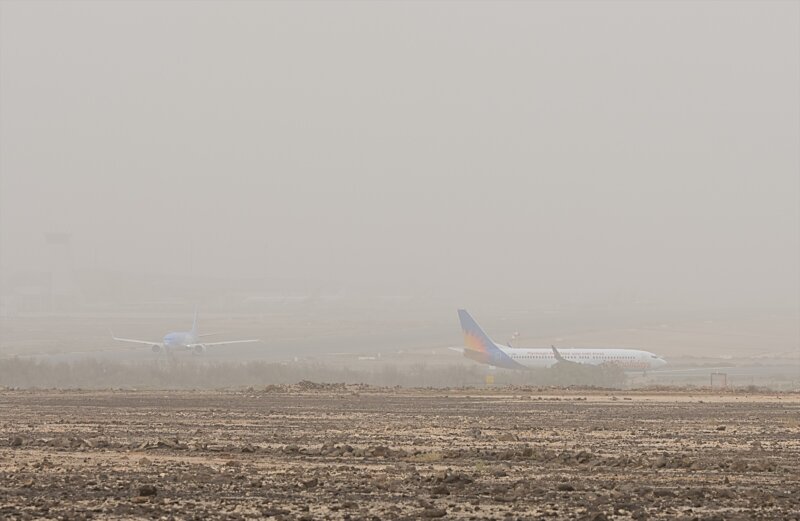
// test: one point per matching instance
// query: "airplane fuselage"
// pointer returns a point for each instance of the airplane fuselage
(178, 340)
(627, 359)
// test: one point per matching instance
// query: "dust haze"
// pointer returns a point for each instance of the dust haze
(337, 178)
(234, 237)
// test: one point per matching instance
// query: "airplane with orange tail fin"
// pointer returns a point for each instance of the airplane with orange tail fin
(480, 348)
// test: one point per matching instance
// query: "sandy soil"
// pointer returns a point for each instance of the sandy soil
(349, 452)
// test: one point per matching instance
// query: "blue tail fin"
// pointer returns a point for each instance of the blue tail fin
(194, 323)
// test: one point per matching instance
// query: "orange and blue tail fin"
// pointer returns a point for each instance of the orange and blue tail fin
(475, 339)
(481, 348)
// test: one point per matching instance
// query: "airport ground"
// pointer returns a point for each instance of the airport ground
(320, 451)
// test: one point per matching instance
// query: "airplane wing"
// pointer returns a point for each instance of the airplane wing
(134, 341)
(208, 344)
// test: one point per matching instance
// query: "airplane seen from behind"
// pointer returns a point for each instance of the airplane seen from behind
(182, 341)
(481, 348)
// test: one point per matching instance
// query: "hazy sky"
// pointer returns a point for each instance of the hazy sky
(530, 149)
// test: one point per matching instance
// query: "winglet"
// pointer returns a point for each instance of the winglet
(557, 354)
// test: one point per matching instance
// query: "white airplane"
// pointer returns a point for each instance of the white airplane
(481, 348)
(186, 341)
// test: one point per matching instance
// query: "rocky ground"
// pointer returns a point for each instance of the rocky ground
(349, 452)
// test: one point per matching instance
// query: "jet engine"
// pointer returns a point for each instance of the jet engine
(156, 348)
(199, 349)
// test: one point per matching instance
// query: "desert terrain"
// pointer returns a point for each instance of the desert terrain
(328, 451)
